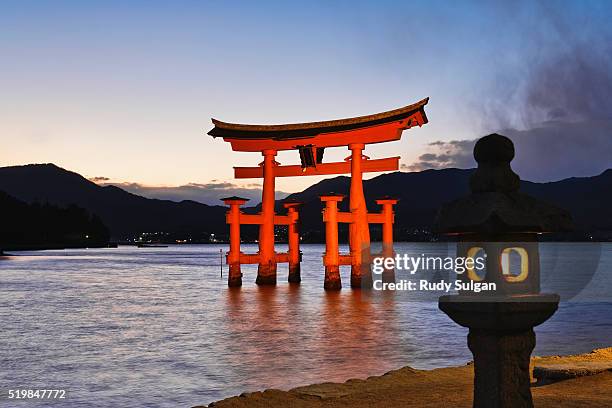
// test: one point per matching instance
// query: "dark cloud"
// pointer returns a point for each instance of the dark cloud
(576, 85)
(556, 104)
(208, 193)
(572, 86)
(552, 151)
(566, 75)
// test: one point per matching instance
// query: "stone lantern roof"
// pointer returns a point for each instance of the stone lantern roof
(495, 204)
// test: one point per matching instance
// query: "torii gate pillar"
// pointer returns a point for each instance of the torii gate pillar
(331, 258)
(266, 270)
(388, 217)
(359, 232)
(234, 277)
(293, 238)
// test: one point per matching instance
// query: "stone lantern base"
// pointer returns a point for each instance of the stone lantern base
(501, 338)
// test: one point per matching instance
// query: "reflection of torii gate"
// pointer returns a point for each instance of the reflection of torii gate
(310, 139)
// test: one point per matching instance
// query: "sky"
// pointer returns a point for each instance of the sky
(124, 92)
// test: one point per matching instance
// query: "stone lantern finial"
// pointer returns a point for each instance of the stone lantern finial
(493, 153)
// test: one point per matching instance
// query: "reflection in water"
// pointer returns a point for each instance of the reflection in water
(277, 333)
(351, 333)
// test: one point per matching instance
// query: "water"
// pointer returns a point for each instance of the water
(157, 327)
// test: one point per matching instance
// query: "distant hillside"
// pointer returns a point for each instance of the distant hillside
(35, 226)
(589, 199)
(124, 213)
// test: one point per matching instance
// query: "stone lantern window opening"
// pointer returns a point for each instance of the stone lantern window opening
(475, 274)
(514, 264)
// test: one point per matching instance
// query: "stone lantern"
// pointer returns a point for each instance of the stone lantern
(498, 223)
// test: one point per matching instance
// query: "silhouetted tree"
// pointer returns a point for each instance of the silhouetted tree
(42, 225)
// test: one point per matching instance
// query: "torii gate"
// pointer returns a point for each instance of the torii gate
(310, 139)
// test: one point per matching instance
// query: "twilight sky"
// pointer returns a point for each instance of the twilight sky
(125, 92)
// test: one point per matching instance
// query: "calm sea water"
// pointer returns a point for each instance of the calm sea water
(157, 327)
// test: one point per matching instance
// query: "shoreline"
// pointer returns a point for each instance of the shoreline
(561, 381)
(116, 244)
(51, 247)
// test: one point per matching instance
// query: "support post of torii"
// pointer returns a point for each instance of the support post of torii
(359, 231)
(266, 270)
(293, 239)
(331, 257)
(234, 277)
(388, 217)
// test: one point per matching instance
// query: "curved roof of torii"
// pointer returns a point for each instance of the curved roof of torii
(302, 130)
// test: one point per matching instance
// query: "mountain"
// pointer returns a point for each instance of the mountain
(589, 199)
(124, 213)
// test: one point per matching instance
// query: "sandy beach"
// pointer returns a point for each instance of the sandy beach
(583, 380)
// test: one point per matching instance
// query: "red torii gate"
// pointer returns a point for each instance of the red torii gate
(310, 139)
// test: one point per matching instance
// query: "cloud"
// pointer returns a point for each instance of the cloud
(208, 193)
(555, 104)
(572, 86)
(567, 75)
(456, 153)
(552, 151)
(99, 179)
